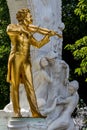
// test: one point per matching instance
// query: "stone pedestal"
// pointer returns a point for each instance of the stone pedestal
(27, 124)
(4, 117)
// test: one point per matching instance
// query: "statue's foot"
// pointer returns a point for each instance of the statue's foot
(38, 115)
(42, 116)
(17, 115)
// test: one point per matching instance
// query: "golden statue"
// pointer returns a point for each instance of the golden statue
(19, 63)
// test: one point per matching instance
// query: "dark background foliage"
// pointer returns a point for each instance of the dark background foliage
(4, 52)
(74, 30)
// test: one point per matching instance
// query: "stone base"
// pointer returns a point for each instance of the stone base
(7, 122)
(27, 124)
(4, 117)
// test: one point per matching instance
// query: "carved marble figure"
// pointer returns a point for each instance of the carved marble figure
(62, 96)
(58, 87)
(42, 79)
(64, 121)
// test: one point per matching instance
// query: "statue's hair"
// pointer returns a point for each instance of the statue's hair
(22, 13)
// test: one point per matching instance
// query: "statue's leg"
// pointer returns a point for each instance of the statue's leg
(15, 72)
(28, 83)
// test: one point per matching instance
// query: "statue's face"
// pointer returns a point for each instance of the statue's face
(29, 19)
(44, 62)
(71, 90)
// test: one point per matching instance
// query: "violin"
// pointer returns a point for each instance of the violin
(44, 31)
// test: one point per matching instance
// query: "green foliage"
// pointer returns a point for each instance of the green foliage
(4, 52)
(79, 51)
(79, 48)
(74, 29)
(81, 9)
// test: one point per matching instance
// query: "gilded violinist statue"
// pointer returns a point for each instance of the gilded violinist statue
(19, 62)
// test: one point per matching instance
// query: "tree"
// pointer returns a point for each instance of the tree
(79, 49)
(75, 29)
(4, 52)
(81, 10)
